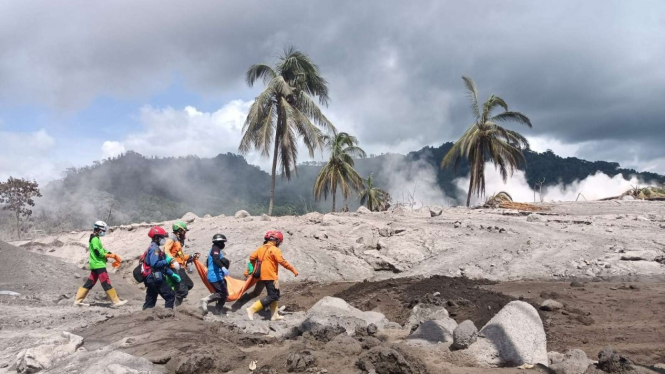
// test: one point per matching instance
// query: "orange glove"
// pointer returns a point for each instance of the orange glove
(295, 272)
(246, 273)
(116, 263)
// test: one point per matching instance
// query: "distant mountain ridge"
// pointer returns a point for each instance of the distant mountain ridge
(135, 188)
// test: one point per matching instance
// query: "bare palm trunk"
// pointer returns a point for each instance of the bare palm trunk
(334, 193)
(274, 175)
(468, 196)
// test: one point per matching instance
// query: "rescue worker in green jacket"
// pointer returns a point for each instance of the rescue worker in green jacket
(97, 262)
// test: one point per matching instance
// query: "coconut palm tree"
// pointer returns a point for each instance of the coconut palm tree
(375, 198)
(339, 171)
(286, 112)
(486, 141)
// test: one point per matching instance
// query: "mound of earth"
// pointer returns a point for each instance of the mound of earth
(462, 297)
(29, 272)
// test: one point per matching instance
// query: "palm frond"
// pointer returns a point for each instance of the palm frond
(512, 117)
(259, 71)
(472, 94)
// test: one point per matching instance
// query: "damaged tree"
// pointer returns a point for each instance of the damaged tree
(17, 195)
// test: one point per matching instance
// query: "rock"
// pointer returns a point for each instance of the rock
(345, 344)
(265, 369)
(314, 217)
(421, 313)
(372, 329)
(535, 218)
(551, 305)
(434, 332)
(300, 361)
(196, 363)
(52, 349)
(627, 197)
(242, 214)
(207, 216)
(435, 213)
(513, 337)
(363, 210)
(465, 334)
(113, 362)
(646, 255)
(265, 217)
(576, 284)
(554, 357)
(333, 311)
(384, 360)
(189, 217)
(573, 362)
(610, 361)
(323, 333)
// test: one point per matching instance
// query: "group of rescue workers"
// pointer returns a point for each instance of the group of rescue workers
(163, 270)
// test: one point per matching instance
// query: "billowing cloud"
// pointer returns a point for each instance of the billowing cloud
(170, 132)
(587, 73)
(25, 155)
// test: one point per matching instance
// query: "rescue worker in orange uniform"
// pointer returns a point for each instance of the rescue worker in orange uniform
(173, 248)
(265, 261)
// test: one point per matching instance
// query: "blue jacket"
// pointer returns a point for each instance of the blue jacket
(216, 271)
(156, 259)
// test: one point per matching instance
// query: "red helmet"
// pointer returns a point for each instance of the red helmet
(274, 235)
(157, 231)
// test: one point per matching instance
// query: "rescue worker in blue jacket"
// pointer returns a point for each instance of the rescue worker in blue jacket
(218, 268)
(159, 266)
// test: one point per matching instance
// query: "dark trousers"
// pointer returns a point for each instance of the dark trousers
(152, 290)
(273, 292)
(184, 286)
(221, 293)
(102, 276)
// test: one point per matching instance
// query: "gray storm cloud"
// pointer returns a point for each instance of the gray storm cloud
(583, 71)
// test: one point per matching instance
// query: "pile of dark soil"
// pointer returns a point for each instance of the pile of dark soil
(28, 272)
(462, 297)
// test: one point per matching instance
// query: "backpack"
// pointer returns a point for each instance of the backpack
(141, 271)
(257, 268)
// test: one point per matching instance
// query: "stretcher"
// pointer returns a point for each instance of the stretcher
(236, 287)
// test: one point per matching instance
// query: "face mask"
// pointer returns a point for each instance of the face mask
(102, 233)
(162, 241)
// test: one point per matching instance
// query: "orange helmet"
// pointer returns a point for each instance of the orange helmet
(274, 235)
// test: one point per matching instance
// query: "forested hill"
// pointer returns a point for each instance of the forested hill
(547, 165)
(134, 188)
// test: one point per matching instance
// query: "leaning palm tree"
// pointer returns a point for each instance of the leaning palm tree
(285, 112)
(486, 141)
(375, 198)
(339, 171)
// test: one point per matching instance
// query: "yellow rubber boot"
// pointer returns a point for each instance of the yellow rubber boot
(256, 307)
(274, 312)
(114, 297)
(80, 296)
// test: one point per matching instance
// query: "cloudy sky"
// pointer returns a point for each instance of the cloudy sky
(81, 80)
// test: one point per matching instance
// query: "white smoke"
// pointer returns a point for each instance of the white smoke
(414, 183)
(593, 187)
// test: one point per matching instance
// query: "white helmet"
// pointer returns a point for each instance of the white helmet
(100, 225)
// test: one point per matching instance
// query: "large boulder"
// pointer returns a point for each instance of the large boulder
(465, 334)
(242, 214)
(344, 344)
(333, 311)
(425, 312)
(434, 332)
(53, 348)
(513, 337)
(573, 362)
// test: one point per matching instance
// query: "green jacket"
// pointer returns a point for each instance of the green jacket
(97, 253)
